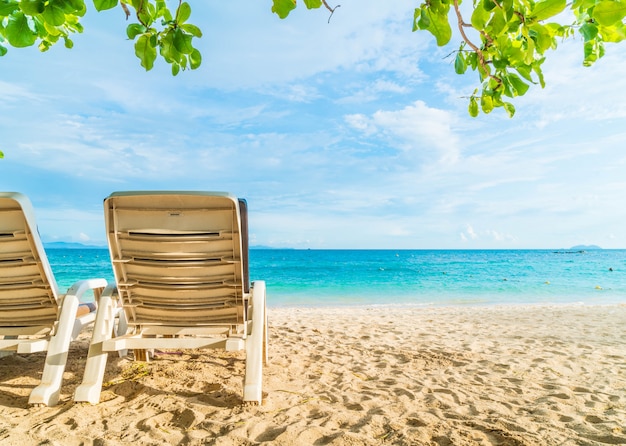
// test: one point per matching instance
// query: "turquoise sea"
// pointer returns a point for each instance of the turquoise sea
(408, 277)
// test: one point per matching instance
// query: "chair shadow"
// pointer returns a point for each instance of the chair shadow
(20, 374)
(214, 390)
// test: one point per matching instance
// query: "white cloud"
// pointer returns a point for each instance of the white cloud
(415, 128)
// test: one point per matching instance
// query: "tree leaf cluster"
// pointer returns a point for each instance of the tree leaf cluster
(26, 22)
(156, 29)
(506, 41)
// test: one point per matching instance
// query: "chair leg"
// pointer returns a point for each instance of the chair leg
(50, 388)
(4, 353)
(253, 381)
(140, 354)
(91, 387)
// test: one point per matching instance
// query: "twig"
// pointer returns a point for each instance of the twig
(332, 10)
(125, 8)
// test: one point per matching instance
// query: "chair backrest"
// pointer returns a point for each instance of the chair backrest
(28, 291)
(177, 257)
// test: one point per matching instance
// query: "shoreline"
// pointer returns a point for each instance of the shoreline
(435, 305)
(459, 375)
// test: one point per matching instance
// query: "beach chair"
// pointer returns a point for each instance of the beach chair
(34, 316)
(181, 267)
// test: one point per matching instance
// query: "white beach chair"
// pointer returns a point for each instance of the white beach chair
(181, 266)
(34, 316)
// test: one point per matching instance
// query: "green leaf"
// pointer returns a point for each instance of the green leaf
(75, 7)
(311, 4)
(195, 59)
(54, 14)
(50, 29)
(283, 7)
(102, 5)
(459, 63)
(32, 7)
(175, 69)
(182, 41)
(137, 4)
(519, 85)
(510, 109)
(530, 52)
(613, 34)
(590, 55)
(507, 7)
(489, 5)
(69, 44)
(486, 103)
(147, 13)
(1, 154)
(134, 29)
(165, 13)
(547, 8)
(539, 73)
(515, 54)
(480, 16)
(192, 29)
(542, 37)
(582, 4)
(3, 51)
(18, 32)
(184, 12)
(7, 7)
(497, 25)
(438, 26)
(589, 31)
(167, 48)
(472, 60)
(524, 71)
(609, 12)
(424, 20)
(416, 15)
(145, 51)
(473, 107)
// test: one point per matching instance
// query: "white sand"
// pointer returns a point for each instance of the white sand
(548, 375)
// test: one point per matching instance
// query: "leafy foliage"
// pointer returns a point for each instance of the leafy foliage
(505, 41)
(157, 29)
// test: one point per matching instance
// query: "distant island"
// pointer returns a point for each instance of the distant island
(71, 245)
(578, 249)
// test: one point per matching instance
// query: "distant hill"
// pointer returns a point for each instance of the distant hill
(584, 247)
(71, 245)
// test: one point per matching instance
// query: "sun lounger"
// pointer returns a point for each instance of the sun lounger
(181, 268)
(34, 315)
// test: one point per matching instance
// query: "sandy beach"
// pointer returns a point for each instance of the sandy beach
(514, 375)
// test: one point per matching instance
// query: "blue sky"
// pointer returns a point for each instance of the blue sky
(352, 134)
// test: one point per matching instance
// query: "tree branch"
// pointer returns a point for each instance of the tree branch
(478, 51)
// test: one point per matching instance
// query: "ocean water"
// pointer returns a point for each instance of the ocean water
(408, 277)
